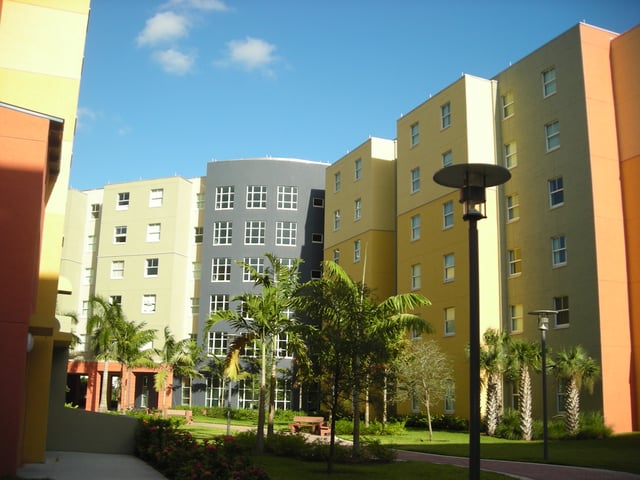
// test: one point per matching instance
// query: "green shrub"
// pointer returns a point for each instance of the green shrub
(592, 426)
(344, 427)
(509, 427)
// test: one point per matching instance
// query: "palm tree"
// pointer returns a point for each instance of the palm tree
(261, 319)
(493, 360)
(103, 324)
(354, 332)
(577, 369)
(174, 357)
(131, 340)
(524, 355)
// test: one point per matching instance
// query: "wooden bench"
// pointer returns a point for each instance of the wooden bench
(187, 414)
(317, 425)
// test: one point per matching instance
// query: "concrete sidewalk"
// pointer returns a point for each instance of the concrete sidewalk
(97, 466)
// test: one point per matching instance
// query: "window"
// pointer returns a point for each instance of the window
(248, 394)
(115, 300)
(549, 82)
(317, 238)
(254, 232)
(87, 278)
(256, 196)
(447, 214)
(218, 303)
(95, 210)
(556, 192)
(198, 234)
(561, 305)
(257, 263)
(449, 321)
(197, 270)
(155, 197)
(415, 180)
(336, 220)
(447, 158)
(515, 262)
(91, 243)
(416, 277)
(120, 234)
(153, 232)
(286, 233)
(415, 134)
(214, 395)
(336, 256)
(357, 168)
(357, 209)
(287, 197)
(356, 251)
(415, 228)
(220, 269)
(218, 344)
(84, 313)
(515, 318)
(318, 202)
(558, 251)
(222, 233)
(507, 105)
(513, 207)
(117, 269)
(185, 390)
(449, 267)
(510, 155)
(282, 346)
(450, 397)
(552, 135)
(149, 303)
(336, 181)
(195, 305)
(123, 201)
(316, 274)
(445, 115)
(152, 266)
(561, 395)
(283, 394)
(200, 201)
(224, 197)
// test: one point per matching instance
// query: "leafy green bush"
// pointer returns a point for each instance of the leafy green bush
(592, 426)
(509, 427)
(344, 427)
(438, 422)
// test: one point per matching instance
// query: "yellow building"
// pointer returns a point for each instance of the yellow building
(41, 53)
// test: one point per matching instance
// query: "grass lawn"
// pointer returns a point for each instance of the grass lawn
(620, 452)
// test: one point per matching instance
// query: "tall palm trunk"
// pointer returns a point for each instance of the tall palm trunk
(104, 403)
(272, 397)
(493, 403)
(356, 407)
(572, 407)
(262, 396)
(524, 391)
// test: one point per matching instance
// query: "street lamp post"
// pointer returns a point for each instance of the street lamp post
(472, 179)
(543, 326)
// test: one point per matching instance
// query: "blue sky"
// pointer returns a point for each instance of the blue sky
(170, 85)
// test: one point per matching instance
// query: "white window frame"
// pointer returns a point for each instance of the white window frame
(447, 214)
(198, 234)
(225, 197)
(549, 83)
(507, 105)
(558, 251)
(256, 197)
(552, 135)
(415, 134)
(556, 192)
(254, 231)
(117, 270)
(336, 256)
(257, 263)
(357, 169)
(218, 302)
(156, 197)
(510, 154)
(356, 250)
(449, 267)
(200, 201)
(357, 209)
(450, 397)
(449, 316)
(120, 234)
(115, 300)
(286, 233)
(220, 269)
(336, 220)
(561, 305)
(149, 303)
(516, 317)
(416, 225)
(514, 257)
(512, 203)
(195, 305)
(287, 197)
(447, 158)
(416, 276)
(415, 180)
(122, 202)
(217, 344)
(337, 182)
(222, 232)
(445, 116)
(153, 232)
(151, 267)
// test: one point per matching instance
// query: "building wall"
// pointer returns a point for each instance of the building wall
(41, 52)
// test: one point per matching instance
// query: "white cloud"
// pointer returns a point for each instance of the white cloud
(250, 54)
(209, 5)
(174, 61)
(163, 27)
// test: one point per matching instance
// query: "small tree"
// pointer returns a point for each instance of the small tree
(493, 363)
(577, 369)
(424, 372)
(523, 356)
(174, 357)
(131, 352)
